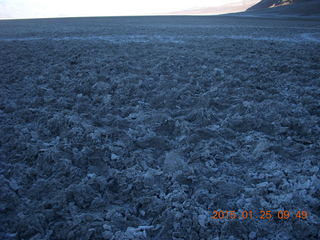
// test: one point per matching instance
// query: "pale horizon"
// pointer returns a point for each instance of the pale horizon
(24, 9)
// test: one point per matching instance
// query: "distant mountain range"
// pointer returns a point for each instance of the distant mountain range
(226, 8)
(277, 3)
(288, 7)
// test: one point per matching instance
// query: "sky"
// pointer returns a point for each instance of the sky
(75, 8)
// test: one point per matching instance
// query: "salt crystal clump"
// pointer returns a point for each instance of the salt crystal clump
(218, 73)
(174, 162)
(202, 220)
(100, 86)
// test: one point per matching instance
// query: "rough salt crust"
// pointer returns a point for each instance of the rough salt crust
(139, 128)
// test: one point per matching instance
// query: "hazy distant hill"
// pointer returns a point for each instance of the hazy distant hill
(284, 7)
(227, 8)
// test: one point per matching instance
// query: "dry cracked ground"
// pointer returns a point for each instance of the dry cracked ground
(140, 128)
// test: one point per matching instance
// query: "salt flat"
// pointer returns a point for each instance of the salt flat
(140, 127)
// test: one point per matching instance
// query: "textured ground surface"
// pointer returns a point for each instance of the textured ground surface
(138, 128)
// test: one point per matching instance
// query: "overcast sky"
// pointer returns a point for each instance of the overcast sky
(70, 8)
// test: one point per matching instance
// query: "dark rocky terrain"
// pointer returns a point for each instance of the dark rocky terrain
(139, 128)
(287, 7)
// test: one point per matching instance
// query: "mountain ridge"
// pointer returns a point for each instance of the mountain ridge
(226, 8)
(286, 7)
(280, 7)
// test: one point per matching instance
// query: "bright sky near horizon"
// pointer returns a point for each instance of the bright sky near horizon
(74, 8)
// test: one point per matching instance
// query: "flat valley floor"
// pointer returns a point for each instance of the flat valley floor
(142, 127)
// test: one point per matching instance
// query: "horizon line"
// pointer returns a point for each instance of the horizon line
(112, 16)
